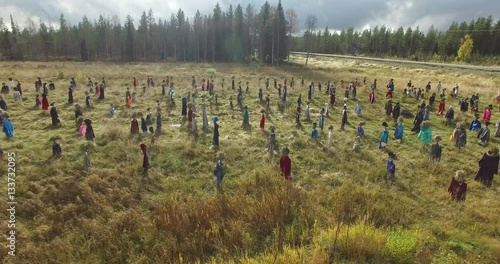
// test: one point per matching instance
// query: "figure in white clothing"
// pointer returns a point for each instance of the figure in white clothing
(330, 139)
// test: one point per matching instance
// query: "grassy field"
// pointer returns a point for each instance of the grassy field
(337, 209)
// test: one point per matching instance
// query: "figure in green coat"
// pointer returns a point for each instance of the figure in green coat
(425, 134)
(246, 121)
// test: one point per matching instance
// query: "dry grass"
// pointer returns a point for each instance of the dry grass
(338, 209)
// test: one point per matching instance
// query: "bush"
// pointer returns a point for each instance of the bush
(288, 255)
(360, 242)
(400, 246)
(446, 257)
(437, 58)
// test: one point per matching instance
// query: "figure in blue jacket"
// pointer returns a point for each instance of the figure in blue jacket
(475, 126)
(322, 119)
(391, 167)
(357, 109)
(398, 133)
(314, 133)
(8, 128)
(361, 130)
(171, 91)
(111, 111)
(384, 138)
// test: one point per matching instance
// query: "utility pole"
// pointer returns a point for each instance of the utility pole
(272, 49)
(278, 36)
(176, 41)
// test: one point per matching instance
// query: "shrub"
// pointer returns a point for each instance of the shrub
(446, 257)
(360, 242)
(400, 246)
(437, 58)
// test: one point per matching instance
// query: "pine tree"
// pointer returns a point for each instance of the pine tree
(281, 34)
(237, 37)
(197, 26)
(264, 30)
(217, 40)
(46, 40)
(16, 52)
(129, 39)
(62, 38)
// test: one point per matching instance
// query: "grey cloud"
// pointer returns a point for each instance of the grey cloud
(334, 14)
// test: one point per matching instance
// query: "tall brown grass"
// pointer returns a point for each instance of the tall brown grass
(338, 208)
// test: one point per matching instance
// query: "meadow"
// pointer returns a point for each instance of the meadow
(337, 209)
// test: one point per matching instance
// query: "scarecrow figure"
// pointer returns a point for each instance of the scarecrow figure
(145, 160)
(54, 115)
(262, 119)
(487, 113)
(458, 187)
(89, 130)
(219, 174)
(488, 166)
(344, 117)
(314, 133)
(7, 126)
(384, 137)
(398, 133)
(286, 164)
(357, 144)
(111, 111)
(246, 121)
(86, 160)
(158, 120)
(391, 167)
(56, 149)
(70, 95)
(272, 142)
(134, 126)
(441, 107)
(425, 134)
(215, 142)
(308, 111)
(357, 109)
(459, 136)
(388, 107)
(329, 139)
(450, 115)
(45, 102)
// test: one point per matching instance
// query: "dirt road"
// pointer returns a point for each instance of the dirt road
(447, 65)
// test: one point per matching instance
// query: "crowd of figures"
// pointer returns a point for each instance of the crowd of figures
(421, 126)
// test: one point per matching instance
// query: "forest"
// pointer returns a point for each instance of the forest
(236, 35)
(222, 36)
(412, 43)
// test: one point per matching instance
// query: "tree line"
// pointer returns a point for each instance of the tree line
(412, 43)
(222, 36)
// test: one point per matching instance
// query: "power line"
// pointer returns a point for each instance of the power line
(474, 30)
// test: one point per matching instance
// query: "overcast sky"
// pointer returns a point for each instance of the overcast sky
(339, 14)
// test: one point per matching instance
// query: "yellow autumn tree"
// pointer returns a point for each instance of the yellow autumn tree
(465, 50)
